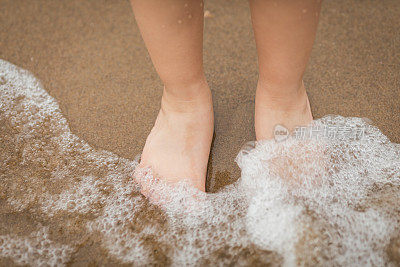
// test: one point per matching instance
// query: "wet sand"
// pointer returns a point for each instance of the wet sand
(89, 56)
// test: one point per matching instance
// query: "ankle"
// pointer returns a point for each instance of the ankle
(186, 89)
(285, 97)
(192, 97)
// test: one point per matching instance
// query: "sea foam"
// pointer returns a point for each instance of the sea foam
(321, 200)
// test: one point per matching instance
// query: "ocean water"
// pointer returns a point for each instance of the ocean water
(332, 198)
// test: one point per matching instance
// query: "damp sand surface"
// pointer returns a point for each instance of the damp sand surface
(92, 52)
(333, 199)
(90, 56)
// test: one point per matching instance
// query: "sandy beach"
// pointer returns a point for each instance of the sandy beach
(89, 55)
(76, 204)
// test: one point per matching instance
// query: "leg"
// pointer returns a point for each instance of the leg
(179, 144)
(284, 32)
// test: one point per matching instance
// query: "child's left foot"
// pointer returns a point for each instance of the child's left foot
(289, 110)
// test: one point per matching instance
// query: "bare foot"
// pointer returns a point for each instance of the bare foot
(289, 110)
(178, 146)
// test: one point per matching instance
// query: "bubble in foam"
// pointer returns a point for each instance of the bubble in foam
(318, 201)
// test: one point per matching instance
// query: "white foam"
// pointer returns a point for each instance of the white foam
(36, 249)
(81, 198)
(327, 201)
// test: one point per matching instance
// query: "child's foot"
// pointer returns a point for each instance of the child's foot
(289, 110)
(178, 146)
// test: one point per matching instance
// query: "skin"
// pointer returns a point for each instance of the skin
(284, 31)
(178, 146)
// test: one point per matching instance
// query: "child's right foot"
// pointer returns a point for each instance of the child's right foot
(178, 146)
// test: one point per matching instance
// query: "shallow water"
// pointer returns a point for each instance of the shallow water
(332, 199)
